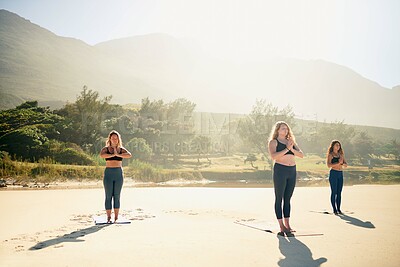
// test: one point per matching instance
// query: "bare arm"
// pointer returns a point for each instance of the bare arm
(297, 151)
(329, 162)
(272, 150)
(344, 162)
(104, 154)
(125, 153)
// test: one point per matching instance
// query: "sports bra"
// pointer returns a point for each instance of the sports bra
(115, 157)
(280, 147)
(335, 159)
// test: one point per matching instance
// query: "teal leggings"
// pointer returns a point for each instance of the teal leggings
(113, 180)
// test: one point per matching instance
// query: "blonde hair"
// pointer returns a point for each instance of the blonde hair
(333, 143)
(108, 142)
(274, 131)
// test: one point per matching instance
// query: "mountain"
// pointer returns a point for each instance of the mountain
(37, 64)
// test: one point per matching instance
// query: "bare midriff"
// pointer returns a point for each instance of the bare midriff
(337, 167)
(287, 160)
(113, 164)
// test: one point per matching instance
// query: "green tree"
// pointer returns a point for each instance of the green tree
(24, 143)
(27, 114)
(362, 144)
(256, 127)
(83, 119)
(26, 129)
(27, 105)
(168, 128)
(152, 118)
(179, 109)
(139, 149)
(156, 109)
(393, 148)
(179, 127)
(336, 131)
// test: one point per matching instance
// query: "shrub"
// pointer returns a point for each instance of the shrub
(73, 156)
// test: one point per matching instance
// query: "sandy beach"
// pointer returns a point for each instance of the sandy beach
(195, 227)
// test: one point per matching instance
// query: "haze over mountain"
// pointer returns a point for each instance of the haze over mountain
(37, 64)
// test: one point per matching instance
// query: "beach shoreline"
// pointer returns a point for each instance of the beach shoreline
(181, 183)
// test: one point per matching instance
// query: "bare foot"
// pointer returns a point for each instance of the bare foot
(289, 229)
(284, 230)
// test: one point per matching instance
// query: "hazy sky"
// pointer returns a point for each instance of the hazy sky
(363, 35)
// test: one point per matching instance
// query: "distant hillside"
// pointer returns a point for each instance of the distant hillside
(212, 123)
(8, 101)
(37, 64)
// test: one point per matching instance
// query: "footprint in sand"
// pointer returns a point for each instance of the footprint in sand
(248, 220)
(19, 248)
(141, 217)
(187, 212)
(71, 231)
(82, 218)
(192, 213)
(136, 215)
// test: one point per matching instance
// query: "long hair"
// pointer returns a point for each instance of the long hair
(274, 132)
(333, 143)
(108, 142)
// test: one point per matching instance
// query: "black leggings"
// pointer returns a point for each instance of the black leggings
(113, 180)
(284, 183)
(336, 182)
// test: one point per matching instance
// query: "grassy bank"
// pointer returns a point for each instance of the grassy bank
(45, 171)
(224, 171)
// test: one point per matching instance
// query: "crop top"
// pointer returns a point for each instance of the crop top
(115, 157)
(280, 147)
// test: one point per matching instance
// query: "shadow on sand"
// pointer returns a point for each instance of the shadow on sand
(296, 254)
(356, 222)
(71, 237)
(350, 219)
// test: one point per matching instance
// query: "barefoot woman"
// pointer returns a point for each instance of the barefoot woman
(113, 152)
(283, 149)
(336, 161)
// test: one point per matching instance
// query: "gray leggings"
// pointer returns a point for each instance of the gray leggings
(284, 183)
(113, 180)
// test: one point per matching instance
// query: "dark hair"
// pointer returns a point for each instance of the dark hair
(333, 143)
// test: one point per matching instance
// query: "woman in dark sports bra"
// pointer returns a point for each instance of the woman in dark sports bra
(336, 161)
(283, 150)
(113, 153)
